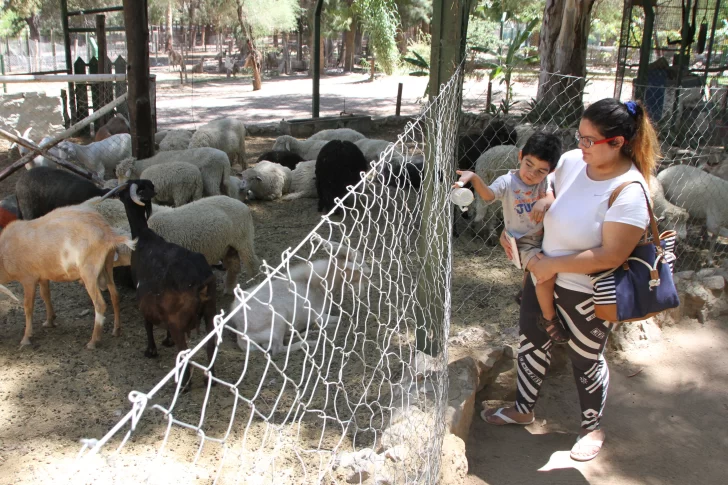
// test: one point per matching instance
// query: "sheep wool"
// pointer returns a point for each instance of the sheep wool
(267, 180)
(175, 140)
(219, 227)
(303, 181)
(212, 163)
(175, 183)
(227, 134)
(307, 149)
(344, 134)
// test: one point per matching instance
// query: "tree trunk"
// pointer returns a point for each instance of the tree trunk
(33, 26)
(170, 24)
(192, 29)
(401, 41)
(286, 54)
(204, 34)
(299, 38)
(562, 49)
(349, 50)
(253, 61)
(275, 39)
(357, 41)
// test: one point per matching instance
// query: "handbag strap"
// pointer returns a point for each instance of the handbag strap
(653, 222)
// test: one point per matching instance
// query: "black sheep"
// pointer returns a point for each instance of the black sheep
(43, 189)
(175, 286)
(471, 146)
(408, 174)
(339, 164)
(285, 157)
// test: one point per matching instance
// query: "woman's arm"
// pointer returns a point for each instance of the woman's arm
(618, 242)
(483, 190)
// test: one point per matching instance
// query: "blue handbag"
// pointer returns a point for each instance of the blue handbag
(642, 286)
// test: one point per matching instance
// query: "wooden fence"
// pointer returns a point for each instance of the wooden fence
(101, 93)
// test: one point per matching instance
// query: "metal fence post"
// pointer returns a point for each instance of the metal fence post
(2, 71)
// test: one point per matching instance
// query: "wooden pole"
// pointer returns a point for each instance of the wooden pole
(399, 98)
(449, 28)
(103, 88)
(140, 107)
(55, 78)
(69, 60)
(53, 49)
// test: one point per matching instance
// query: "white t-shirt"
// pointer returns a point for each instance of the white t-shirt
(574, 221)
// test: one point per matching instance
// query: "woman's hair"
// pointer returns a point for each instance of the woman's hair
(631, 121)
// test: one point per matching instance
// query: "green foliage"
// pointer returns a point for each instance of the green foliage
(266, 16)
(483, 33)
(379, 18)
(606, 21)
(493, 9)
(411, 12)
(11, 25)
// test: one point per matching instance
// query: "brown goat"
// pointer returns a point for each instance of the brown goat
(67, 244)
(114, 126)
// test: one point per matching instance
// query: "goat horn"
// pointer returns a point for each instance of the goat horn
(3, 289)
(134, 196)
(113, 191)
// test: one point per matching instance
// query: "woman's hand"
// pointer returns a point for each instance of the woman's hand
(506, 245)
(542, 268)
(465, 177)
(539, 209)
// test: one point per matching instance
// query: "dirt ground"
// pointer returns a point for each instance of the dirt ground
(665, 425)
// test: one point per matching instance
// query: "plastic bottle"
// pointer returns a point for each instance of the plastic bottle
(461, 197)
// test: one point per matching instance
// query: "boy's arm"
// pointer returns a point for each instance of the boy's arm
(541, 206)
(483, 190)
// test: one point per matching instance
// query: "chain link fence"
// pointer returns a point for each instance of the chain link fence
(318, 374)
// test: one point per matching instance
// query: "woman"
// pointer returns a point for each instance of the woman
(617, 143)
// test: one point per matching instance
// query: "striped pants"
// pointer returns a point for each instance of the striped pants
(588, 336)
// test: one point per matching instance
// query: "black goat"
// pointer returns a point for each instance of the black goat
(43, 189)
(407, 174)
(339, 164)
(286, 158)
(471, 146)
(175, 286)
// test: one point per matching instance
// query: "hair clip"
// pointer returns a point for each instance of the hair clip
(631, 107)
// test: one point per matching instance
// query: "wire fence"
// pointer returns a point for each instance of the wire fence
(328, 384)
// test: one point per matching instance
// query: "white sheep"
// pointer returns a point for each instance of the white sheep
(307, 149)
(703, 195)
(303, 181)
(227, 134)
(212, 163)
(159, 136)
(175, 140)
(346, 134)
(297, 302)
(235, 190)
(266, 181)
(490, 165)
(372, 148)
(219, 227)
(672, 217)
(175, 183)
(102, 156)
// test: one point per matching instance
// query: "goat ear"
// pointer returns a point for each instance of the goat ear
(27, 132)
(8, 293)
(288, 146)
(258, 178)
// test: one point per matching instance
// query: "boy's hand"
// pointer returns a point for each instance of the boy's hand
(465, 177)
(539, 209)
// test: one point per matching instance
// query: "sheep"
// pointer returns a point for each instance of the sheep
(175, 140)
(175, 183)
(338, 165)
(235, 189)
(219, 227)
(68, 244)
(266, 181)
(373, 148)
(99, 156)
(9, 210)
(160, 135)
(672, 216)
(116, 125)
(227, 134)
(175, 286)
(286, 158)
(344, 134)
(472, 146)
(702, 195)
(43, 189)
(408, 174)
(38, 160)
(213, 164)
(292, 303)
(307, 149)
(303, 181)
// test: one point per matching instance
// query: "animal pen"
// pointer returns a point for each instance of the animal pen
(367, 393)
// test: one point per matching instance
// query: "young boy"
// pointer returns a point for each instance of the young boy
(526, 194)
